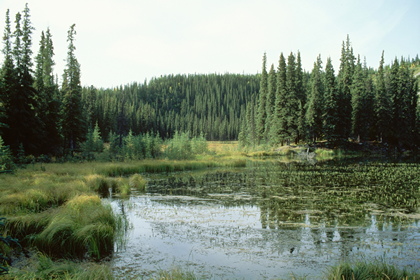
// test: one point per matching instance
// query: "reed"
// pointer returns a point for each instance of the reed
(155, 166)
(176, 273)
(369, 270)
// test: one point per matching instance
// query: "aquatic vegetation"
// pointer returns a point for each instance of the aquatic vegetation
(175, 273)
(155, 166)
(83, 226)
(374, 270)
(43, 267)
(137, 182)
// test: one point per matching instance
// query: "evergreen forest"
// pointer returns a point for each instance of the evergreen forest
(283, 104)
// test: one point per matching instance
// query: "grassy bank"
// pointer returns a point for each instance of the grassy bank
(56, 211)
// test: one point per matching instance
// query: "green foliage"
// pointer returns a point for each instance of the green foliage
(199, 145)
(262, 102)
(72, 123)
(182, 147)
(73, 233)
(6, 159)
(43, 267)
(93, 143)
(314, 109)
(179, 147)
(8, 242)
(369, 270)
(175, 273)
(136, 181)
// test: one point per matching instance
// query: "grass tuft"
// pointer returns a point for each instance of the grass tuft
(136, 181)
(369, 270)
(40, 266)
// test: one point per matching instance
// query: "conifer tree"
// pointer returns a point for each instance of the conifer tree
(47, 97)
(357, 101)
(21, 105)
(292, 109)
(7, 80)
(314, 110)
(270, 102)
(301, 95)
(279, 128)
(344, 81)
(262, 102)
(331, 108)
(403, 91)
(73, 123)
(382, 105)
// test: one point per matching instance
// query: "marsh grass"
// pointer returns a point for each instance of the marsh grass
(376, 270)
(148, 166)
(137, 182)
(83, 227)
(176, 273)
(40, 266)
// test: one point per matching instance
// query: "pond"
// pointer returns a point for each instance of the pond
(271, 220)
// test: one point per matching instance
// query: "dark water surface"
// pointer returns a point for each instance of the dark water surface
(270, 221)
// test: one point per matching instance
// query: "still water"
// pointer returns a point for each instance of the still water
(265, 222)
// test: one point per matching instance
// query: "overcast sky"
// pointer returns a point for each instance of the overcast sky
(124, 41)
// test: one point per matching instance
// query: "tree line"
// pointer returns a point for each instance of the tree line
(39, 116)
(210, 104)
(359, 103)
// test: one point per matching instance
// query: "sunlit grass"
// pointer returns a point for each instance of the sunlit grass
(137, 182)
(82, 226)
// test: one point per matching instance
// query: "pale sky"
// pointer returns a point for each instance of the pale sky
(124, 41)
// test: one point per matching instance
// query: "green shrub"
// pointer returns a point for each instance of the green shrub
(6, 158)
(179, 147)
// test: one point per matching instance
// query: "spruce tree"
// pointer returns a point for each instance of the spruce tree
(344, 81)
(301, 95)
(357, 101)
(262, 102)
(403, 91)
(331, 109)
(314, 110)
(73, 123)
(7, 80)
(270, 102)
(382, 105)
(279, 128)
(21, 106)
(292, 109)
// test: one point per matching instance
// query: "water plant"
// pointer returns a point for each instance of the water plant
(137, 182)
(41, 266)
(374, 270)
(5, 243)
(82, 227)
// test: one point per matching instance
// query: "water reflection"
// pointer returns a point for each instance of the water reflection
(258, 223)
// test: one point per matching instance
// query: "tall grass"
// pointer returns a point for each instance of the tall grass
(83, 227)
(376, 270)
(155, 166)
(42, 267)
